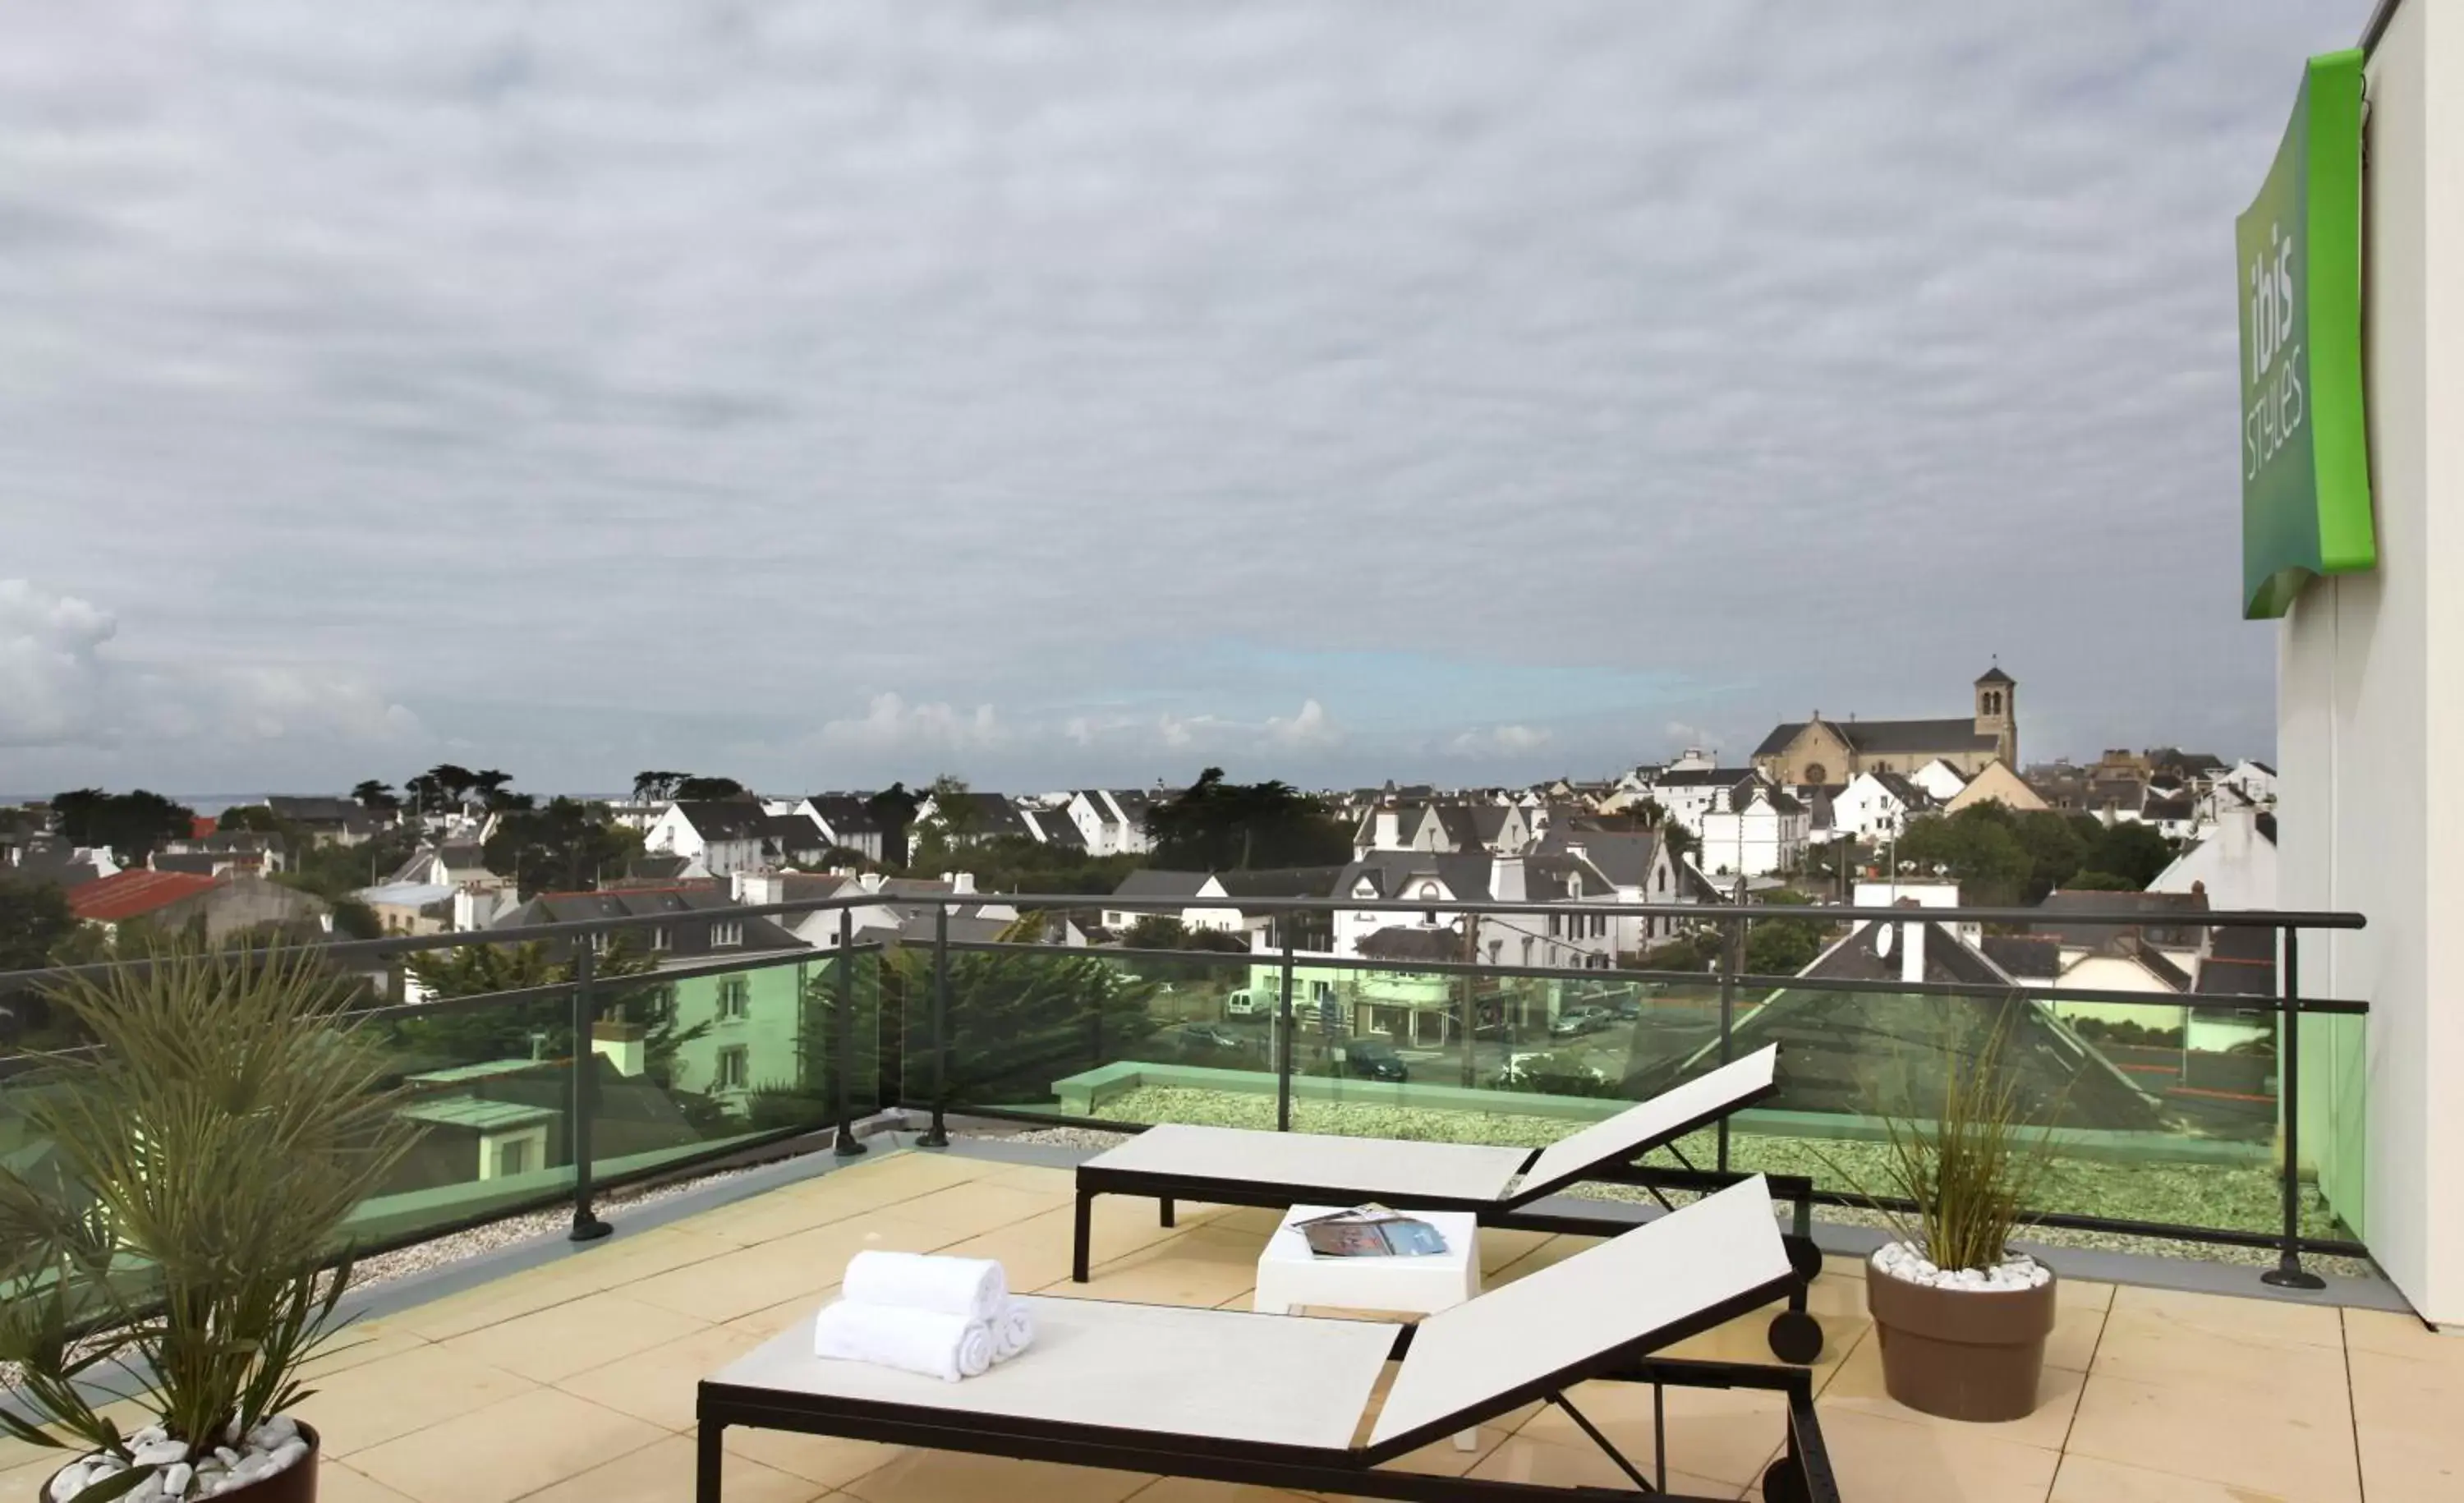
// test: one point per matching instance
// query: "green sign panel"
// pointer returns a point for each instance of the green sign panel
(2306, 466)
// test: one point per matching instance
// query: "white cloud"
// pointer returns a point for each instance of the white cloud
(982, 352)
(1683, 737)
(1501, 741)
(61, 688)
(891, 724)
(1310, 727)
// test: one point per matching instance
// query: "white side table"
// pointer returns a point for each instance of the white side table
(1289, 1275)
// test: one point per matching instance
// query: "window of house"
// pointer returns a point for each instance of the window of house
(512, 1157)
(730, 1069)
(1599, 925)
(734, 993)
(598, 943)
(726, 932)
(1815, 772)
(663, 938)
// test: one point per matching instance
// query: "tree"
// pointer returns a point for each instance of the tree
(566, 846)
(1782, 946)
(2127, 848)
(1215, 825)
(893, 809)
(1164, 931)
(1020, 1021)
(1680, 841)
(251, 819)
(376, 797)
(1975, 847)
(2099, 882)
(704, 791)
(491, 785)
(441, 788)
(474, 970)
(35, 920)
(2054, 850)
(132, 824)
(655, 787)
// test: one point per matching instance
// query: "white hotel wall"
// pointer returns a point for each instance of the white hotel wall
(2370, 705)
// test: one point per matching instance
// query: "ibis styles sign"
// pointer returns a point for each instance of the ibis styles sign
(2305, 468)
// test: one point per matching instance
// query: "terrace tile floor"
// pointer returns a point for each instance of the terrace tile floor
(576, 1381)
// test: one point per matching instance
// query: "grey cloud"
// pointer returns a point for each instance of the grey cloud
(722, 370)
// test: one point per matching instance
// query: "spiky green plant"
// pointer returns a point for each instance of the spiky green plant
(1972, 1167)
(181, 1246)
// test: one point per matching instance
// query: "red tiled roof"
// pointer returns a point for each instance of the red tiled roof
(134, 892)
(200, 826)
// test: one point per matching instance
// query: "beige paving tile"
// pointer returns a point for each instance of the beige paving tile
(2204, 1429)
(1727, 1435)
(628, 1256)
(373, 1404)
(1116, 1226)
(750, 1278)
(26, 1481)
(826, 1460)
(2264, 1376)
(337, 1482)
(658, 1383)
(1556, 1250)
(358, 1343)
(1857, 1388)
(505, 1450)
(2080, 1294)
(1550, 1463)
(2087, 1479)
(2402, 1336)
(2405, 1413)
(973, 1209)
(568, 1338)
(2221, 1315)
(663, 1472)
(1190, 1489)
(1747, 1338)
(957, 1477)
(503, 1299)
(1500, 1245)
(2076, 1329)
(1032, 1253)
(1836, 1264)
(1035, 1177)
(16, 1454)
(1878, 1458)
(1191, 1268)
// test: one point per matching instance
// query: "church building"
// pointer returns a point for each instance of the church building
(1820, 751)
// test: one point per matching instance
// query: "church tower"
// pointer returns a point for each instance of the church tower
(1997, 713)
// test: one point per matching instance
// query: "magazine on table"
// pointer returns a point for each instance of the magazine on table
(1370, 1232)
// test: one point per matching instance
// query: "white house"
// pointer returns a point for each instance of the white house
(1193, 886)
(1643, 870)
(1940, 781)
(844, 822)
(1688, 793)
(1877, 806)
(2254, 781)
(1112, 822)
(2234, 866)
(1755, 829)
(1578, 938)
(737, 836)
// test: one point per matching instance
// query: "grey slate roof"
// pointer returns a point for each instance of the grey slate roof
(1873, 738)
(1466, 874)
(2024, 955)
(1623, 856)
(1411, 942)
(2164, 918)
(2241, 962)
(1153, 882)
(688, 936)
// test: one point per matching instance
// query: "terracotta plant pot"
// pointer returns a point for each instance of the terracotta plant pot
(295, 1483)
(1963, 1354)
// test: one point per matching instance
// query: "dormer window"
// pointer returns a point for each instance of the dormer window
(725, 933)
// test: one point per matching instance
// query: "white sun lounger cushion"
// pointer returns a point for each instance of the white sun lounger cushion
(1369, 1167)
(1615, 1138)
(1651, 1279)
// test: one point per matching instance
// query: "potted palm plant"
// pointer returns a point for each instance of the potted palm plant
(180, 1241)
(1962, 1317)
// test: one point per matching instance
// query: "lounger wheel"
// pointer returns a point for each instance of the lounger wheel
(1804, 1257)
(1795, 1336)
(1784, 1481)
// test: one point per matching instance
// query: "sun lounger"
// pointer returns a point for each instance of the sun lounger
(1237, 1167)
(1282, 1400)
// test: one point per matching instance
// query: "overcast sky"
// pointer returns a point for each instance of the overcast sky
(1049, 394)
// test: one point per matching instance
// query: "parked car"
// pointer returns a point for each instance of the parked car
(1581, 1020)
(1196, 1037)
(1374, 1059)
(1250, 1001)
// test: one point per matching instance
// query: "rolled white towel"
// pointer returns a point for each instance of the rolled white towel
(926, 1341)
(1013, 1332)
(975, 1287)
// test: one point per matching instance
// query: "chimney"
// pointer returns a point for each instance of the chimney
(2235, 826)
(1506, 879)
(752, 889)
(620, 1043)
(870, 881)
(963, 881)
(1384, 834)
(1912, 947)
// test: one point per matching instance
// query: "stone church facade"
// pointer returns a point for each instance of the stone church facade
(1831, 752)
